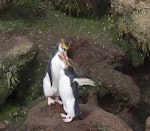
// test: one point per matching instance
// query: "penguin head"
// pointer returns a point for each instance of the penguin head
(64, 45)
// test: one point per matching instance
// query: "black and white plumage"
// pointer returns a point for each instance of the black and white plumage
(68, 89)
(52, 72)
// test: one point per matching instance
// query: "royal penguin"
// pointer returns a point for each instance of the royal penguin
(68, 89)
(52, 72)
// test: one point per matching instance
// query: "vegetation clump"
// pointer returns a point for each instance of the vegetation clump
(86, 8)
(13, 60)
(133, 23)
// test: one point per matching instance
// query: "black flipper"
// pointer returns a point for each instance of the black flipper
(69, 71)
(76, 95)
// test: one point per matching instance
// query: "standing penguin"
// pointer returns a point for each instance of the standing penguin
(68, 89)
(52, 72)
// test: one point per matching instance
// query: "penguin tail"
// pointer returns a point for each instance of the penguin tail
(84, 81)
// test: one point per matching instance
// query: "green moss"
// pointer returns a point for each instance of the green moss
(134, 56)
(17, 106)
(27, 93)
(134, 30)
(10, 114)
(83, 93)
(137, 58)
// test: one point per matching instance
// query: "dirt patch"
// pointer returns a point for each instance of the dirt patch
(88, 54)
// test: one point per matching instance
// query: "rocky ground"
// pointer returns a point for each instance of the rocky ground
(116, 92)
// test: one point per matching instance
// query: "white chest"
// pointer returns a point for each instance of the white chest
(56, 66)
(65, 88)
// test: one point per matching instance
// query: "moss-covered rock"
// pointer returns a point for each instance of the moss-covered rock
(16, 53)
(133, 22)
(121, 86)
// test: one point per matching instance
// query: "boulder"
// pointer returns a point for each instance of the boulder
(128, 115)
(15, 54)
(132, 18)
(44, 117)
(142, 77)
(99, 61)
(121, 86)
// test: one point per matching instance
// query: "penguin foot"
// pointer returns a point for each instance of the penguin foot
(58, 101)
(67, 118)
(63, 115)
(50, 101)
